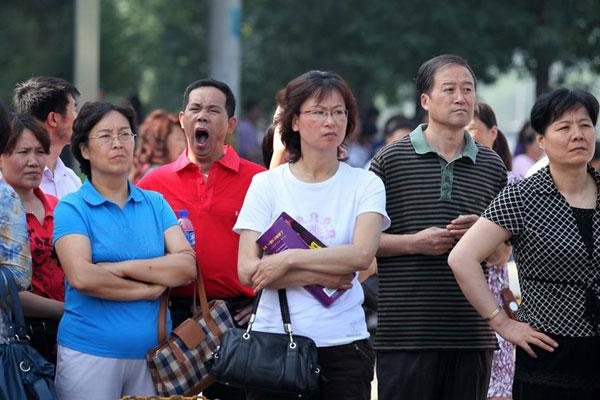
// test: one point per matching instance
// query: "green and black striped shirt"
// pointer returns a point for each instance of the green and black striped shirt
(421, 307)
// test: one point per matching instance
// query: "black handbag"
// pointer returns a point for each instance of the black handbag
(280, 363)
(25, 374)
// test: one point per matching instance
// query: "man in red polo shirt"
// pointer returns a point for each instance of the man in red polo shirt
(209, 180)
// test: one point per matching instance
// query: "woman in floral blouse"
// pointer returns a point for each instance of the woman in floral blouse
(14, 243)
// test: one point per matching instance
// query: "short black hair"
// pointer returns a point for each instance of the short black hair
(551, 106)
(398, 121)
(90, 114)
(426, 73)
(18, 124)
(209, 82)
(4, 126)
(41, 95)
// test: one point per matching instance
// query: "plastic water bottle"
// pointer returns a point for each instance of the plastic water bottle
(187, 227)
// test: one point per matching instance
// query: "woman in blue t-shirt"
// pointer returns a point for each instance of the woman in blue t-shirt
(120, 248)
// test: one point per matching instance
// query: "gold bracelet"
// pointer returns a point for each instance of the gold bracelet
(493, 314)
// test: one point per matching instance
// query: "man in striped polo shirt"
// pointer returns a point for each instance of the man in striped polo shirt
(431, 344)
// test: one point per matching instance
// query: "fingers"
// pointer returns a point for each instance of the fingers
(465, 220)
(542, 345)
(458, 233)
(441, 234)
(243, 321)
(243, 315)
(530, 336)
(462, 223)
(258, 286)
(547, 340)
(525, 346)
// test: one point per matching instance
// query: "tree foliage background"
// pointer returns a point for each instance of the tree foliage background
(155, 47)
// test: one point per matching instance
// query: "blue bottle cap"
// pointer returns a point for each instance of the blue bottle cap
(183, 213)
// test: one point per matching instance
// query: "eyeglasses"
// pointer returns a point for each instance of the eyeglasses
(321, 115)
(106, 139)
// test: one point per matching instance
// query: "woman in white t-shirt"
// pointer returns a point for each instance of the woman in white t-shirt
(342, 206)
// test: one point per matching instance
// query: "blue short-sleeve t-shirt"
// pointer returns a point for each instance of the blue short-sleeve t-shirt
(108, 328)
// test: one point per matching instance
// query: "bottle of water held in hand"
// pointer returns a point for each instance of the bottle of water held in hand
(186, 226)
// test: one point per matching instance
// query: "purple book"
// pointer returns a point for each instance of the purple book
(287, 233)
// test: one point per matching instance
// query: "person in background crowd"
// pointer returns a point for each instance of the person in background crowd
(161, 141)
(120, 247)
(15, 254)
(484, 130)
(273, 149)
(247, 131)
(396, 128)
(268, 143)
(552, 220)
(542, 162)
(595, 163)
(361, 141)
(209, 180)
(52, 102)
(430, 342)
(23, 161)
(343, 206)
(531, 151)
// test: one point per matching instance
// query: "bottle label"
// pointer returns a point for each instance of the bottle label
(190, 236)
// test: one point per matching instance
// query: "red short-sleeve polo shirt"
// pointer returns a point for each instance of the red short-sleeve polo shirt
(213, 209)
(48, 278)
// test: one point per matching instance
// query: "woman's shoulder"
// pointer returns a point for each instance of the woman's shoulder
(74, 198)
(271, 175)
(152, 196)
(7, 193)
(10, 202)
(359, 176)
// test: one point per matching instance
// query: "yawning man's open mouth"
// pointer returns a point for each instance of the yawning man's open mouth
(201, 135)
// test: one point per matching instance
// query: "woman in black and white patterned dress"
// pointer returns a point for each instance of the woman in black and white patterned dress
(552, 220)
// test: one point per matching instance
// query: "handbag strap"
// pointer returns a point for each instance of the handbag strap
(201, 292)
(5, 306)
(285, 314)
(17, 327)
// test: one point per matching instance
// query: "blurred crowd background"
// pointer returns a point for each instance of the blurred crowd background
(150, 49)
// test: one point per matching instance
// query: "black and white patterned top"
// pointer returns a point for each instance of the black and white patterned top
(552, 260)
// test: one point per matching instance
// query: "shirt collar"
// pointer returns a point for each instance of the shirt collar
(94, 198)
(58, 168)
(230, 160)
(419, 142)
(44, 199)
(542, 180)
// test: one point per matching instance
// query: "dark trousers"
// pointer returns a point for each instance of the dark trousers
(181, 309)
(346, 373)
(531, 391)
(433, 375)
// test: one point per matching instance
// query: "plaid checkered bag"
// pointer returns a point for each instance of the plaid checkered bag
(178, 365)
